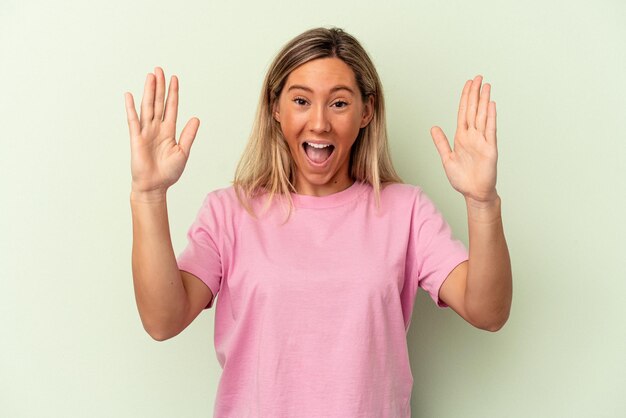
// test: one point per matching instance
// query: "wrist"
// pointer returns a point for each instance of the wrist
(486, 203)
(148, 196)
(484, 211)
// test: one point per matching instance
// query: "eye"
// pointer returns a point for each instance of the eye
(300, 101)
(340, 104)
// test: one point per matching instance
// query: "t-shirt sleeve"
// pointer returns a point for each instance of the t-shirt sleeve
(435, 250)
(201, 257)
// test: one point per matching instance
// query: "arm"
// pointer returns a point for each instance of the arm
(167, 299)
(479, 290)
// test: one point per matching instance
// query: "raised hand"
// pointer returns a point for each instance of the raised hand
(157, 161)
(471, 166)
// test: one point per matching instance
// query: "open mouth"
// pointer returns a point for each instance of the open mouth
(318, 153)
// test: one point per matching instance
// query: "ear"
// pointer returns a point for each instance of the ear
(276, 112)
(368, 111)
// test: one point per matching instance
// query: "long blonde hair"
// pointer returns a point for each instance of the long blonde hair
(267, 167)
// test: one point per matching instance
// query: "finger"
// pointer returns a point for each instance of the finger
(147, 102)
(490, 131)
(188, 135)
(160, 93)
(441, 142)
(171, 107)
(461, 118)
(131, 115)
(472, 101)
(481, 118)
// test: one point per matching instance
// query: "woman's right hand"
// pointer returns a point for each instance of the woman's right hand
(157, 161)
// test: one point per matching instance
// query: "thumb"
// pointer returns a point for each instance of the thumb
(441, 142)
(188, 135)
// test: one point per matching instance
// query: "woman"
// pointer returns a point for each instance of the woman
(315, 301)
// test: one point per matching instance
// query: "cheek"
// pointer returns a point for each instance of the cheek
(350, 127)
(290, 133)
(292, 125)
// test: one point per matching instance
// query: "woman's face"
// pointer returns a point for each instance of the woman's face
(320, 111)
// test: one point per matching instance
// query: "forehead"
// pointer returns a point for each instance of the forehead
(322, 73)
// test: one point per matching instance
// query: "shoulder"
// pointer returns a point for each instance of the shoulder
(400, 188)
(400, 192)
(230, 202)
(225, 196)
(407, 197)
(221, 203)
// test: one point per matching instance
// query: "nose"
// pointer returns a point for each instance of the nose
(318, 120)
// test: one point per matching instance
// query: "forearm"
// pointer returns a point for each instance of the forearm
(488, 292)
(159, 291)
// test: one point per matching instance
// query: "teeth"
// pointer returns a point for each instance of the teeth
(319, 146)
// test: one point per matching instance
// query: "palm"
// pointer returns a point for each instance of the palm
(471, 166)
(156, 155)
(157, 161)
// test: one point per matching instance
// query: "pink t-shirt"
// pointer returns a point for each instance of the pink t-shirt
(311, 314)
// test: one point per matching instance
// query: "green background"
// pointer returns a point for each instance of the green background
(72, 344)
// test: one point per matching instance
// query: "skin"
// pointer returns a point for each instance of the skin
(321, 103)
(157, 159)
(167, 299)
(479, 290)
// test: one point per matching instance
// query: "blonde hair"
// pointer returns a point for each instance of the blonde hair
(267, 167)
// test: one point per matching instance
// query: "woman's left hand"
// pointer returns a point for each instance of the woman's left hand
(471, 166)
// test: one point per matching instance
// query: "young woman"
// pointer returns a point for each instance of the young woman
(318, 248)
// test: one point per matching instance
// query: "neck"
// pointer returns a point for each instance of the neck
(333, 186)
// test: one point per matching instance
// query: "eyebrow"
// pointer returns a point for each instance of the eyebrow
(334, 89)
